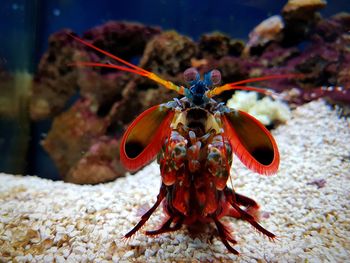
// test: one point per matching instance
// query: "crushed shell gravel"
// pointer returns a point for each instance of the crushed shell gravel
(46, 221)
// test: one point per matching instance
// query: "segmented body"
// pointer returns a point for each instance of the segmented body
(195, 164)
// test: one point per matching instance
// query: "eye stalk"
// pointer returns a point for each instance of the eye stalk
(212, 78)
(196, 93)
(215, 77)
(191, 76)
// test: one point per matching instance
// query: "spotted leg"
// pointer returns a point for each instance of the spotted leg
(225, 236)
(166, 227)
(231, 197)
(147, 215)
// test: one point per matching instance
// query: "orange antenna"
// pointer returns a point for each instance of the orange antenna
(129, 67)
(235, 85)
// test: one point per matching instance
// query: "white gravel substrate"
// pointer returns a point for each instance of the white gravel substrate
(45, 221)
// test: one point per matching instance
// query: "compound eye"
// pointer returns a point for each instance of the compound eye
(191, 75)
(215, 77)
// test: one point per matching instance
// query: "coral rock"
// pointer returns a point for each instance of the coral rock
(300, 17)
(169, 53)
(72, 134)
(55, 82)
(123, 39)
(267, 111)
(217, 45)
(99, 164)
(302, 5)
(268, 30)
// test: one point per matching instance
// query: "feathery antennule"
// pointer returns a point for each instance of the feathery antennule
(109, 54)
(236, 85)
(129, 67)
(109, 65)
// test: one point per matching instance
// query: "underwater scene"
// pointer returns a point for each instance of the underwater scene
(175, 131)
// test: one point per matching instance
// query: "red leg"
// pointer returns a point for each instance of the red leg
(251, 207)
(166, 227)
(231, 196)
(245, 201)
(147, 215)
(225, 236)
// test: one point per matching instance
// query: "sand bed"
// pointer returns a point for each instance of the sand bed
(306, 205)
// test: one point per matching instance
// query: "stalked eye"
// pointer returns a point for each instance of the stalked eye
(215, 77)
(191, 74)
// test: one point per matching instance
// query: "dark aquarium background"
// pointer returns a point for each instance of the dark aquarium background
(25, 27)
